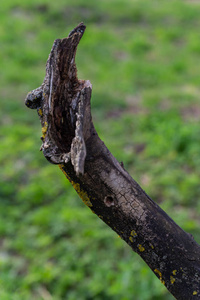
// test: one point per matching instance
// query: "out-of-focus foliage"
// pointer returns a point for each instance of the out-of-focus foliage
(143, 60)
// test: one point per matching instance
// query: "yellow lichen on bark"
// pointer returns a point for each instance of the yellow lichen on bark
(131, 239)
(82, 194)
(195, 293)
(40, 112)
(44, 129)
(172, 279)
(133, 235)
(152, 247)
(160, 275)
(141, 248)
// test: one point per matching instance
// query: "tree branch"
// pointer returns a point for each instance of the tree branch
(71, 141)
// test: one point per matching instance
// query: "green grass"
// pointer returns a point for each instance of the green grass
(143, 59)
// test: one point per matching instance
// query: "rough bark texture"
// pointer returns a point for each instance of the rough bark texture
(70, 140)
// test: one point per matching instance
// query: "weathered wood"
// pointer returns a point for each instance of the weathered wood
(70, 140)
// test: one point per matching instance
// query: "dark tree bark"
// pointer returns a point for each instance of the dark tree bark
(70, 140)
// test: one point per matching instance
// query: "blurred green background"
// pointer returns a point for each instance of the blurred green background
(143, 59)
